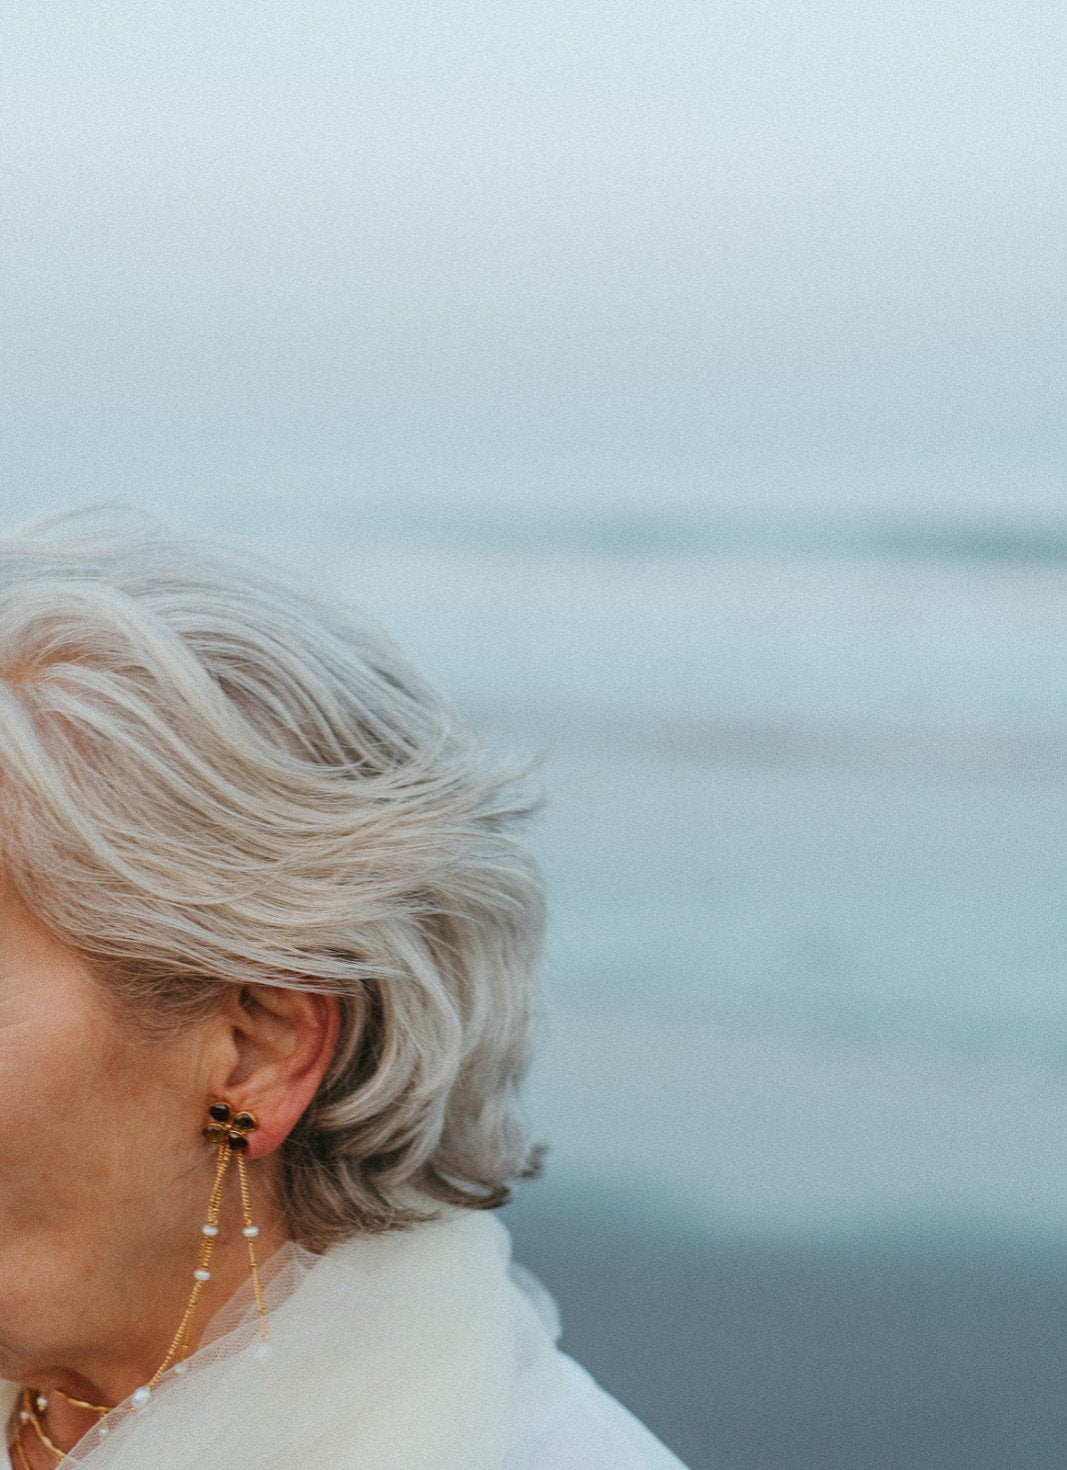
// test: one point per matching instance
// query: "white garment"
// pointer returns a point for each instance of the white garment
(421, 1349)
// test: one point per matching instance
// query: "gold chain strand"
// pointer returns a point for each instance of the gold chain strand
(20, 1450)
(250, 1232)
(33, 1419)
(83, 1403)
(207, 1244)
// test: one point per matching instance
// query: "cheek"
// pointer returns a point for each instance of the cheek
(99, 1150)
(100, 1168)
(47, 1123)
(56, 1161)
(87, 1143)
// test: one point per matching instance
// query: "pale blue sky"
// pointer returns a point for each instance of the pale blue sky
(750, 254)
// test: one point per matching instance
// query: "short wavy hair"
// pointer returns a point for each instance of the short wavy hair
(210, 778)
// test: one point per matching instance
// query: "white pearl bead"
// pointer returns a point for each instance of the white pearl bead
(209, 1230)
(24, 1415)
(201, 1275)
(140, 1397)
(42, 1402)
(263, 1350)
(250, 1232)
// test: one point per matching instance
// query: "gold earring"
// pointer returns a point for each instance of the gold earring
(229, 1131)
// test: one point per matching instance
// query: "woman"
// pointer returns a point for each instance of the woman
(266, 946)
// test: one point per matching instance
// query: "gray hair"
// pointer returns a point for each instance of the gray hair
(211, 778)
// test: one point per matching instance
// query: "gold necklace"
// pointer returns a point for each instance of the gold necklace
(31, 1407)
(83, 1403)
(20, 1452)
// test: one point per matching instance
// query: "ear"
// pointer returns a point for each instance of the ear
(277, 1047)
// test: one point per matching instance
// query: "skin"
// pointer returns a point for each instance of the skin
(106, 1177)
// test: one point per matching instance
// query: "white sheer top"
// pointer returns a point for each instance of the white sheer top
(418, 1350)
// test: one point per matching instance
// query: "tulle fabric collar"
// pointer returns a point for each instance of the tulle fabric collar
(393, 1352)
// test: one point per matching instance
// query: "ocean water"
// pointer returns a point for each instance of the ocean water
(804, 836)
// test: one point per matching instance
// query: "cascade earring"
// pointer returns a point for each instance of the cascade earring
(229, 1131)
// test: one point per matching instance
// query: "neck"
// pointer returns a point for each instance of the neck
(64, 1423)
(106, 1380)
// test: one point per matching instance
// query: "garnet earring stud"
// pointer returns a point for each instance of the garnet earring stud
(226, 1126)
